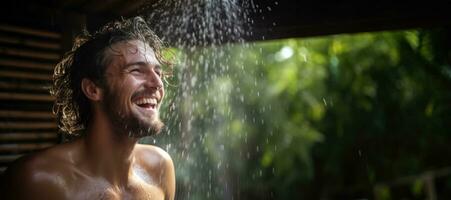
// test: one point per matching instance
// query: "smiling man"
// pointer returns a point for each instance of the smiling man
(108, 93)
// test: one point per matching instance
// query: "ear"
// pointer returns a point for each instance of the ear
(91, 90)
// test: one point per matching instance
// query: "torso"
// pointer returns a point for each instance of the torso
(69, 179)
(97, 188)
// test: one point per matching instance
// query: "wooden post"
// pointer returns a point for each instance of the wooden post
(428, 178)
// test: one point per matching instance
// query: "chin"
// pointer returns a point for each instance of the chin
(145, 128)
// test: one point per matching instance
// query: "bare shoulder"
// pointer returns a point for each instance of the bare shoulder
(35, 176)
(152, 156)
(158, 164)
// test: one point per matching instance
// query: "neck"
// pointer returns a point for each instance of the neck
(109, 154)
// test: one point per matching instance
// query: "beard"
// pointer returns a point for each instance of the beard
(127, 122)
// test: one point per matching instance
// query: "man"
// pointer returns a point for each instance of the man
(108, 92)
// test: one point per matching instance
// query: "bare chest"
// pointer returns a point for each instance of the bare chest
(101, 190)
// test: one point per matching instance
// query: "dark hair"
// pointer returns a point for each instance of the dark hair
(87, 59)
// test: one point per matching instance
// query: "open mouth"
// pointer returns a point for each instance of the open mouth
(146, 103)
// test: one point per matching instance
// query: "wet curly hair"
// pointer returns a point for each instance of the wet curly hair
(87, 59)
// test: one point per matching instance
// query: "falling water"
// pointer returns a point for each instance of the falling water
(192, 23)
(204, 33)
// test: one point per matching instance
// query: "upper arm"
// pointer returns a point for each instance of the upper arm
(159, 164)
(168, 179)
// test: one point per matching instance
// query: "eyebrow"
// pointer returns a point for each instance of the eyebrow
(142, 63)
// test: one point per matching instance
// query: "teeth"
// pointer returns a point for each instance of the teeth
(146, 101)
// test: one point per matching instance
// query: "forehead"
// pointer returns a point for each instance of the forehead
(125, 52)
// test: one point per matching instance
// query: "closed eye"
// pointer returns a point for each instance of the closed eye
(158, 72)
(135, 70)
(142, 67)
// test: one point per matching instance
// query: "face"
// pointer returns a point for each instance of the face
(134, 89)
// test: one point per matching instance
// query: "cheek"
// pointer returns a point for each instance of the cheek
(162, 93)
(129, 85)
(123, 91)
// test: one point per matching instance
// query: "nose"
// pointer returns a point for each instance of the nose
(154, 80)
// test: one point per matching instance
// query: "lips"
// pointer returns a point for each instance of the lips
(146, 102)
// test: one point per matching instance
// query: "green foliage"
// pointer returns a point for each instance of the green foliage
(330, 117)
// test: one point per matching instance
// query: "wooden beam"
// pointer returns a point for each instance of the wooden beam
(9, 158)
(24, 86)
(129, 8)
(26, 64)
(29, 42)
(25, 75)
(69, 3)
(26, 114)
(100, 6)
(28, 125)
(29, 31)
(29, 54)
(24, 147)
(25, 97)
(26, 136)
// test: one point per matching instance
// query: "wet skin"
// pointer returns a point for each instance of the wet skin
(106, 163)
